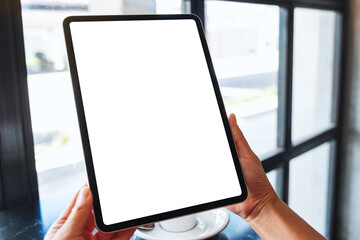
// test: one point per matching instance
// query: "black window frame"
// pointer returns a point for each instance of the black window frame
(287, 149)
(18, 181)
(18, 178)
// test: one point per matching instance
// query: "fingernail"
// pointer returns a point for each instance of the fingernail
(83, 194)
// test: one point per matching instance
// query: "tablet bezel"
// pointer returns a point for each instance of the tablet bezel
(85, 138)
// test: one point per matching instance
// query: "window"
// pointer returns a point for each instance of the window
(58, 149)
(278, 69)
(278, 65)
(244, 42)
(308, 193)
(314, 72)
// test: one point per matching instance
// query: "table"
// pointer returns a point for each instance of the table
(31, 221)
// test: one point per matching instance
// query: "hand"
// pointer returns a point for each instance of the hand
(263, 209)
(77, 222)
(260, 191)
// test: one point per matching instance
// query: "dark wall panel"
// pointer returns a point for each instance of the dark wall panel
(18, 174)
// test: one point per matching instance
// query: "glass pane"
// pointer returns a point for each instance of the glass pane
(308, 186)
(275, 177)
(59, 156)
(244, 43)
(314, 72)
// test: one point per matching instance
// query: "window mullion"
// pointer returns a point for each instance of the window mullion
(198, 8)
(288, 103)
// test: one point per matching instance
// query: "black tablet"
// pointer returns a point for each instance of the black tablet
(154, 130)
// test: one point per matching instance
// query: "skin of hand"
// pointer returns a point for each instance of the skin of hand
(260, 191)
(77, 222)
(263, 210)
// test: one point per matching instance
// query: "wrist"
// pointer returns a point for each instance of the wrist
(267, 219)
(264, 210)
(275, 220)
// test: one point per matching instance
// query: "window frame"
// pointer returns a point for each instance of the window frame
(18, 179)
(281, 158)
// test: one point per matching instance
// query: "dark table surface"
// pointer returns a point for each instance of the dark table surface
(32, 220)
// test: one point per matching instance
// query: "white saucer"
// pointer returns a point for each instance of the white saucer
(208, 225)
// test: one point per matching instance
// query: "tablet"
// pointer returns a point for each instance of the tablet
(155, 134)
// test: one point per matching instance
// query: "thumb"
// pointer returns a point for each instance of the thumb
(242, 146)
(80, 213)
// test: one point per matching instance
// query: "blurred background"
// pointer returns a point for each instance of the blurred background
(281, 69)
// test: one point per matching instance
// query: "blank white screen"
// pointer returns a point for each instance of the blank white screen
(155, 129)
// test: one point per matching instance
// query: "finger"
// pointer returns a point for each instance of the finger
(124, 235)
(90, 224)
(67, 211)
(104, 236)
(65, 214)
(89, 236)
(242, 146)
(80, 212)
(61, 219)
